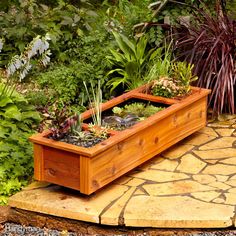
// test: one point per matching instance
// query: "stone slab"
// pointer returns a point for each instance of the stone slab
(231, 161)
(225, 132)
(81, 228)
(219, 169)
(209, 131)
(56, 201)
(177, 151)
(178, 187)
(206, 196)
(113, 215)
(190, 164)
(198, 139)
(204, 179)
(225, 142)
(176, 212)
(169, 165)
(160, 176)
(216, 154)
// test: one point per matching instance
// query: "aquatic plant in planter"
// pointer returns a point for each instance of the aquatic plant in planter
(129, 115)
(89, 169)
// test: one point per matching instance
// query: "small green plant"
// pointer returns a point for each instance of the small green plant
(101, 132)
(177, 83)
(165, 87)
(87, 138)
(182, 73)
(130, 114)
(95, 101)
(162, 64)
(139, 109)
(130, 62)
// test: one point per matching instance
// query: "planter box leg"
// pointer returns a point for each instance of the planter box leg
(38, 162)
(85, 175)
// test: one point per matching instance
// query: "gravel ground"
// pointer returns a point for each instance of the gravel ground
(10, 229)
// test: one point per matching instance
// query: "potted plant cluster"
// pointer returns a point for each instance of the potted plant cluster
(89, 150)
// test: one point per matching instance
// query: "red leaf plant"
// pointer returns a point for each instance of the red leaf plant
(210, 44)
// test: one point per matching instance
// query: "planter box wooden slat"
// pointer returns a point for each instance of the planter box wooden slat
(89, 169)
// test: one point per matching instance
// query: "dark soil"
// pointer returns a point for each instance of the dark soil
(87, 140)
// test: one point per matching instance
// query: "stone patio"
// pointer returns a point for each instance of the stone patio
(191, 185)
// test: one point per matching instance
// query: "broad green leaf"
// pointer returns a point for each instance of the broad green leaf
(119, 71)
(31, 115)
(3, 132)
(67, 20)
(118, 56)
(123, 46)
(132, 68)
(141, 48)
(116, 82)
(128, 43)
(8, 124)
(12, 112)
(4, 101)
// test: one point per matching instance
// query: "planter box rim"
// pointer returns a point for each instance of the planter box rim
(120, 136)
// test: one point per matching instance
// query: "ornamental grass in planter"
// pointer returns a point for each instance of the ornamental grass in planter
(155, 124)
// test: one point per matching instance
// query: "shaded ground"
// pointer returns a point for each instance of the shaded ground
(63, 227)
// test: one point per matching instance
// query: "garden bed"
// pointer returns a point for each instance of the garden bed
(89, 169)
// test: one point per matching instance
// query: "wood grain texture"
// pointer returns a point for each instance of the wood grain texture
(85, 175)
(142, 146)
(61, 167)
(89, 169)
(38, 162)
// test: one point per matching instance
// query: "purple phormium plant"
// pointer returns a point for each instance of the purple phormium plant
(210, 44)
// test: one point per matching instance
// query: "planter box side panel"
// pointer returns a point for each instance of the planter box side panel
(57, 166)
(144, 145)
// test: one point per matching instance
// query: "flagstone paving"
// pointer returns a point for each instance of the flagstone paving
(191, 185)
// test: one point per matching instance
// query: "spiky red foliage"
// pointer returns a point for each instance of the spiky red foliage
(210, 44)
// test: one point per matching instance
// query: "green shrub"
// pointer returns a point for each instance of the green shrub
(64, 21)
(17, 120)
(63, 80)
(64, 83)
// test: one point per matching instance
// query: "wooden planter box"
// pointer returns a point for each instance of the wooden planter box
(89, 169)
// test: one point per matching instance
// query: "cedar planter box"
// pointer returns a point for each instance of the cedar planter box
(89, 169)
